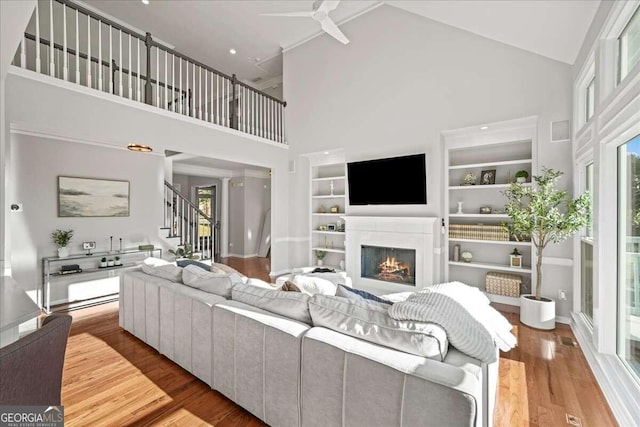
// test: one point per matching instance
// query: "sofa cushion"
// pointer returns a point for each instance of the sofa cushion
(312, 285)
(293, 305)
(369, 321)
(186, 262)
(169, 272)
(359, 295)
(215, 283)
(222, 268)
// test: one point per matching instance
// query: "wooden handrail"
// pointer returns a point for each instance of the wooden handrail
(189, 202)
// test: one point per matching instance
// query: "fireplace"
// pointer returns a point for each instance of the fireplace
(391, 254)
(395, 265)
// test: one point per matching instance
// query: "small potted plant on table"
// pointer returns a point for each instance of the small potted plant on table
(184, 252)
(320, 257)
(62, 238)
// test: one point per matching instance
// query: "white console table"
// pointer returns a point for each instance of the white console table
(49, 263)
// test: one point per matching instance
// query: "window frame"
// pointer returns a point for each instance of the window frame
(619, 77)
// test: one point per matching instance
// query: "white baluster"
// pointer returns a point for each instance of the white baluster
(200, 92)
(88, 67)
(121, 64)
(194, 112)
(65, 55)
(186, 75)
(110, 60)
(173, 84)
(206, 105)
(180, 92)
(23, 52)
(52, 64)
(37, 39)
(99, 55)
(138, 85)
(130, 69)
(217, 99)
(157, 77)
(166, 88)
(77, 48)
(211, 101)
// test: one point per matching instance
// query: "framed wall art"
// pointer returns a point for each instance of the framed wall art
(90, 197)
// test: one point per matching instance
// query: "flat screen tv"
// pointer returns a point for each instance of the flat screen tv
(392, 181)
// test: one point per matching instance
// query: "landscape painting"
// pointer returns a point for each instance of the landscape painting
(87, 197)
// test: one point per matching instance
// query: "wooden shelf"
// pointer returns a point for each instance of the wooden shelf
(328, 232)
(489, 164)
(329, 178)
(329, 196)
(485, 187)
(491, 242)
(488, 216)
(336, 250)
(490, 266)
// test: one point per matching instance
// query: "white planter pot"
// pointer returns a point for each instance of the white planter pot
(320, 262)
(521, 180)
(537, 314)
(63, 252)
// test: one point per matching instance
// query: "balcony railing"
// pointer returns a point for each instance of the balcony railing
(72, 43)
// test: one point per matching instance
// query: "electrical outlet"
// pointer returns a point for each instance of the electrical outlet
(562, 295)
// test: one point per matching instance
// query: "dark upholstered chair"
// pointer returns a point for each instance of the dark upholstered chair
(31, 368)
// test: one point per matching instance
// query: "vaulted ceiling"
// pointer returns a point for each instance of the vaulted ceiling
(207, 30)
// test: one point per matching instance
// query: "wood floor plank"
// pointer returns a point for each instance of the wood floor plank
(113, 379)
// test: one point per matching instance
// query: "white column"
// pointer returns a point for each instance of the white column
(224, 218)
(168, 170)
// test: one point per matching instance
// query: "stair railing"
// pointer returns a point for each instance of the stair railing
(185, 220)
(78, 45)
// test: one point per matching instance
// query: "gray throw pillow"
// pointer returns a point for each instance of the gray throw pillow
(169, 272)
(214, 283)
(294, 305)
(369, 321)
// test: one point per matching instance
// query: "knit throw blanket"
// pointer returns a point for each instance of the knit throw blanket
(472, 325)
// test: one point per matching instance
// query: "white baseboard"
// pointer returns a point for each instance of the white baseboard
(619, 389)
(564, 320)
(242, 256)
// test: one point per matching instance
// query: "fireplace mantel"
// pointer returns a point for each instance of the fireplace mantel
(399, 232)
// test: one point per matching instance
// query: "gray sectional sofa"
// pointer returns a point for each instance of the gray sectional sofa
(290, 373)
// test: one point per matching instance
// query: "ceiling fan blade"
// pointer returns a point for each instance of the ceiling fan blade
(332, 29)
(328, 5)
(293, 14)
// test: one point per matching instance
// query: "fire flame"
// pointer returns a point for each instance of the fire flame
(393, 270)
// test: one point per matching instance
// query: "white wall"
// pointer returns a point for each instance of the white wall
(54, 107)
(35, 165)
(248, 204)
(401, 81)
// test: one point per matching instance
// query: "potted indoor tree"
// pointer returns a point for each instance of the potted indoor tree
(546, 215)
(62, 238)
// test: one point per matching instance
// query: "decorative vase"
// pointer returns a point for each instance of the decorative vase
(63, 252)
(466, 256)
(341, 264)
(110, 263)
(320, 262)
(103, 264)
(521, 180)
(460, 208)
(539, 314)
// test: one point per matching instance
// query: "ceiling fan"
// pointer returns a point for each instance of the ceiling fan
(320, 13)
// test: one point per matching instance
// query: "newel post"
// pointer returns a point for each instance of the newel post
(234, 103)
(148, 89)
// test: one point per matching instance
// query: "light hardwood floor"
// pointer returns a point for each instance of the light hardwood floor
(114, 379)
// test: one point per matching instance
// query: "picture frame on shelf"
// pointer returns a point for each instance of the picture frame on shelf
(488, 177)
(331, 227)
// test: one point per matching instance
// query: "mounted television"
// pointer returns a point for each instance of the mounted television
(392, 181)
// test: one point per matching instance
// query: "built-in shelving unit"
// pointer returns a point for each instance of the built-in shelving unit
(328, 195)
(503, 149)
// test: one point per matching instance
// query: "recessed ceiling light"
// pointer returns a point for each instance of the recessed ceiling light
(326, 152)
(232, 51)
(484, 128)
(145, 1)
(139, 147)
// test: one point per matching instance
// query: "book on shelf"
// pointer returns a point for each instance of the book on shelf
(77, 270)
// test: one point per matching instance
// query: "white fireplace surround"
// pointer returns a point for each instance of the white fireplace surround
(394, 232)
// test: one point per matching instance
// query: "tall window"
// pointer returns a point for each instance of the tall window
(629, 254)
(629, 46)
(590, 100)
(586, 250)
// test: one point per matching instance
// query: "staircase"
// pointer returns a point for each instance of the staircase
(186, 224)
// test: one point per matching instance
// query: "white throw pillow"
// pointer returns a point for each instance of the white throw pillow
(369, 321)
(312, 285)
(169, 272)
(259, 283)
(155, 262)
(294, 305)
(214, 283)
